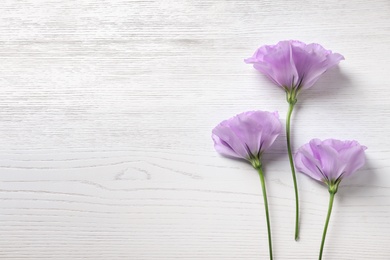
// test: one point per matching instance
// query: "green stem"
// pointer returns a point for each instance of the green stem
(290, 157)
(261, 174)
(327, 222)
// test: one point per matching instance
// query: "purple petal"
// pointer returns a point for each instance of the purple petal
(227, 142)
(276, 63)
(310, 64)
(224, 148)
(327, 156)
(353, 157)
(307, 164)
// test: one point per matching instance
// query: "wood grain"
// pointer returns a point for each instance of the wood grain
(106, 113)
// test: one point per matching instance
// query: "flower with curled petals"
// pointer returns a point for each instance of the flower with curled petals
(247, 136)
(294, 66)
(330, 161)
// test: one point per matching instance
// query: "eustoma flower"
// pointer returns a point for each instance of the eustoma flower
(247, 136)
(330, 161)
(294, 66)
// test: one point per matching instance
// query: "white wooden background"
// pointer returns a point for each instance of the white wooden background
(106, 115)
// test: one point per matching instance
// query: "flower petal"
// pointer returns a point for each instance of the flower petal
(327, 155)
(226, 141)
(307, 164)
(276, 63)
(354, 158)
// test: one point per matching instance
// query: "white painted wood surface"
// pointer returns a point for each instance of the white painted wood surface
(106, 114)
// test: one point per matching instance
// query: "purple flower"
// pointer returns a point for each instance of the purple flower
(330, 160)
(294, 64)
(247, 135)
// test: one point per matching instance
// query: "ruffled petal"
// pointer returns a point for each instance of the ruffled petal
(227, 138)
(327, 155)
(306, 163)
(270, 127)
(353, 158)
(276, 63)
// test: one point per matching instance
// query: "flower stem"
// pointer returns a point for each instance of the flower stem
(261, 174)
(290, 157)
(327, 222)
